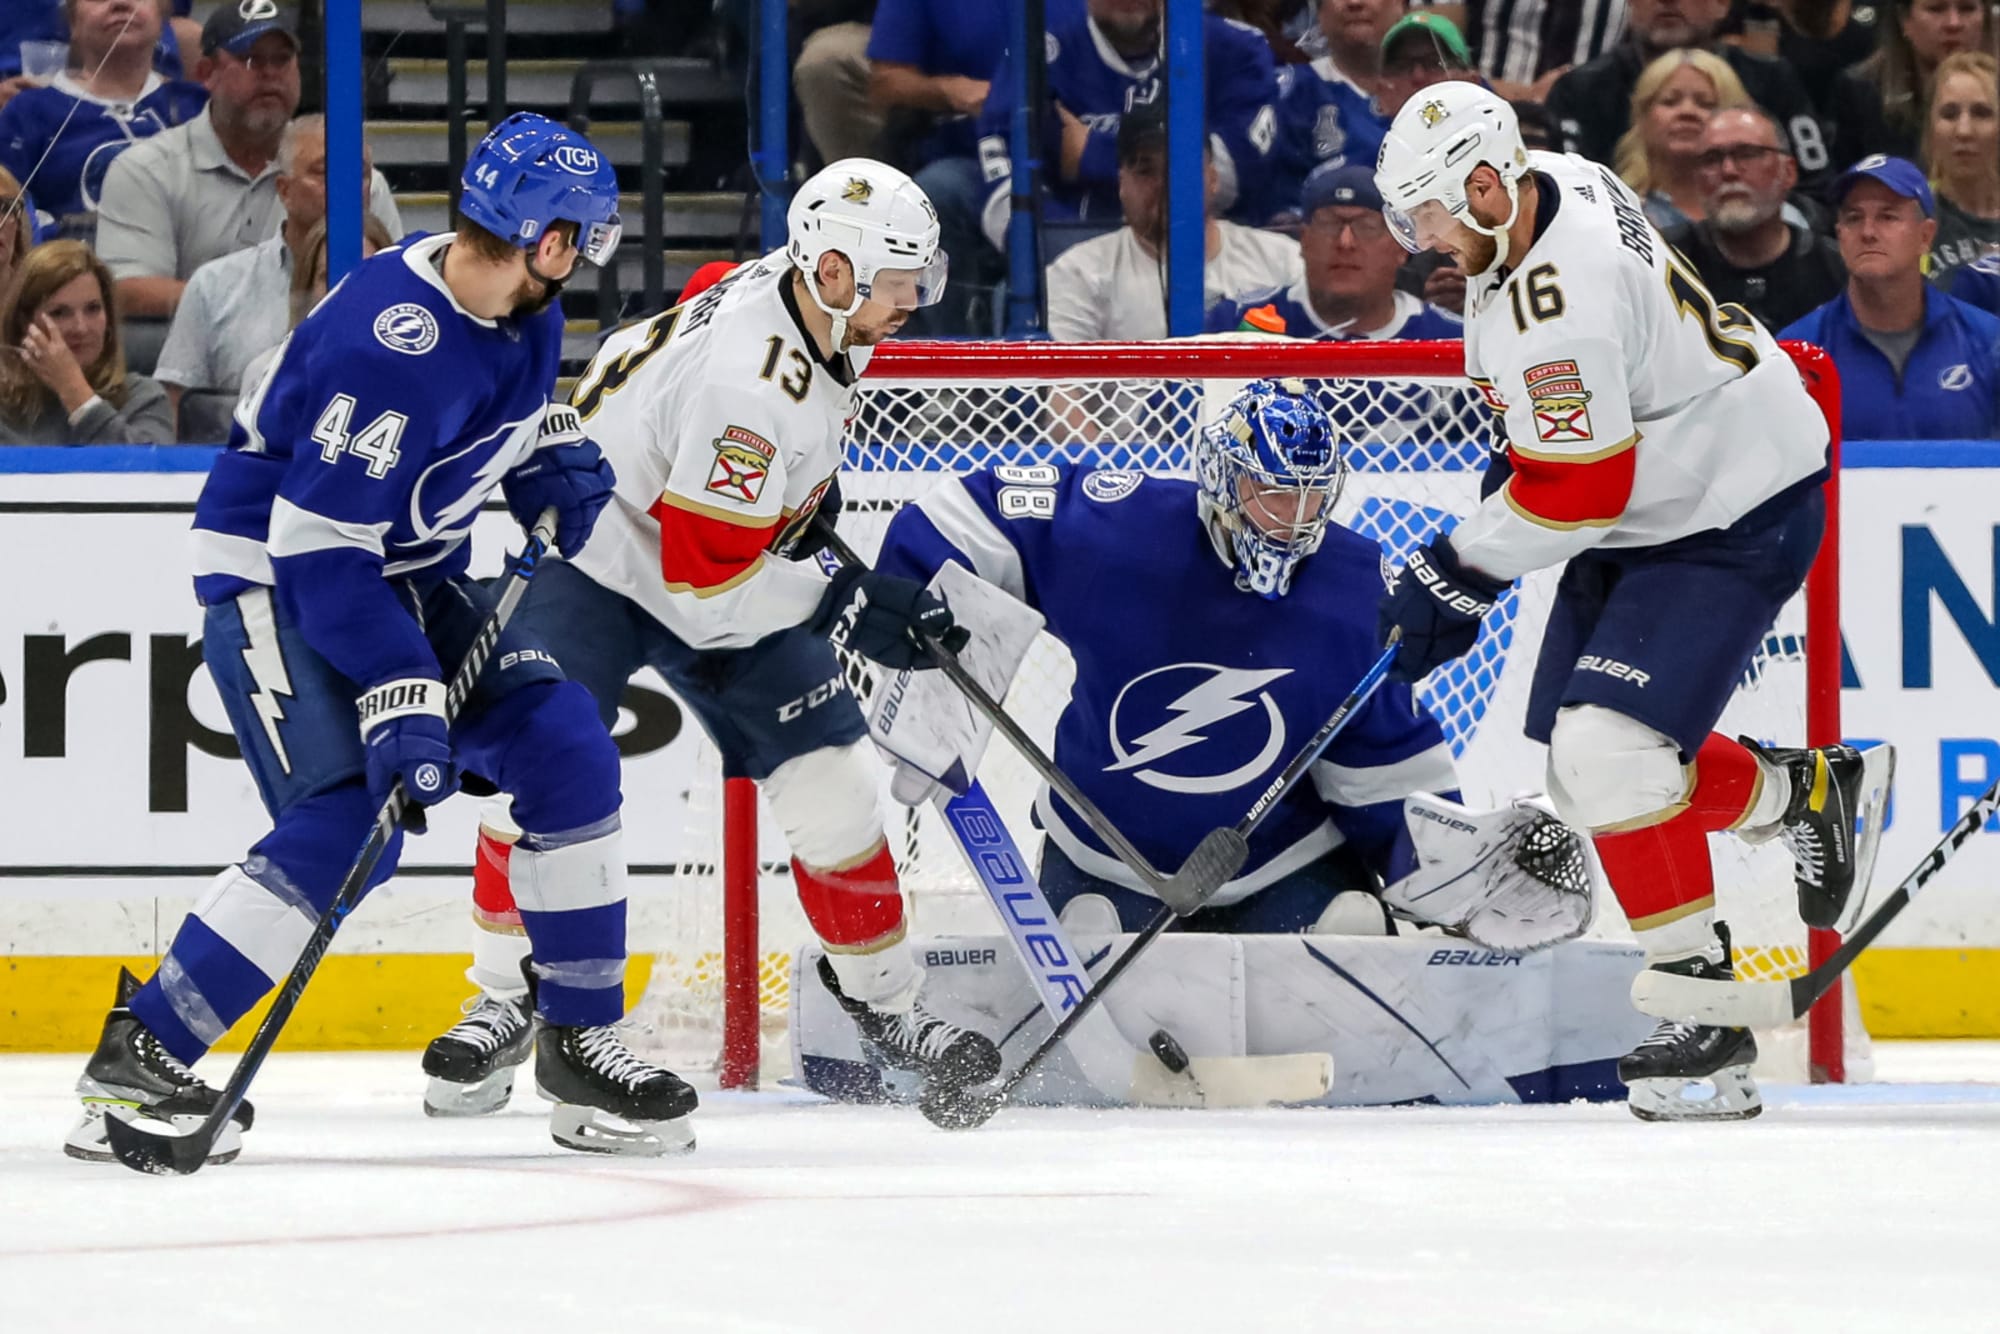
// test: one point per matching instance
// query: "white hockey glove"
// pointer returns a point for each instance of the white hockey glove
(928, 730)
(1514, 879)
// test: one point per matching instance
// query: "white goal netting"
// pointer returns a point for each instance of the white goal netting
(1416, 438)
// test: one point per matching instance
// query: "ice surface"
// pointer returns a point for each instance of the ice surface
(1865, 1208)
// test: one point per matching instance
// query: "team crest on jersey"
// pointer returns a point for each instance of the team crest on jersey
(1494, 402)
(1218, 724)
(857, 190)
(407, 328)
(1559, 401)
(742, 462)
(1111, 484)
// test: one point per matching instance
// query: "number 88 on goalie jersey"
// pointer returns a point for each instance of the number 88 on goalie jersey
(724, 426)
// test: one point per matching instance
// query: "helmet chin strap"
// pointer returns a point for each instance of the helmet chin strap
(1499, 234)
(840, 317)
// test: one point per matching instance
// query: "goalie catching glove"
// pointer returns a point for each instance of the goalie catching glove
(1514, 879)
(922, 722)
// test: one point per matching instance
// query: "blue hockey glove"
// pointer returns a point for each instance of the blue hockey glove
(882, 617)
(1438, 604)
(566, 471)
(404, 735)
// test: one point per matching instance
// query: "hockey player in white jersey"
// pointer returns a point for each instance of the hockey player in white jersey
(1664, 447)
(723, 419)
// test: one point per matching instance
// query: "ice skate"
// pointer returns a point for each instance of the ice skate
(949, 1058)
(131, 1075)
(1662, 1072)
(472, 1065)
(1836, 791)
(606, 1099)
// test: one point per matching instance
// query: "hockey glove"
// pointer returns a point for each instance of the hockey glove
(883, 617)
(1438, 604)
(812, 538)
(404, 734)
(566, 471)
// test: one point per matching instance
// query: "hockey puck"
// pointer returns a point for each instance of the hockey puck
(1169, 1051)
(957, 1109)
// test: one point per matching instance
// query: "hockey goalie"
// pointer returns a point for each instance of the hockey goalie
(1215, 624)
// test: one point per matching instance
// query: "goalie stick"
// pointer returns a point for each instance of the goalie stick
(1218, 856)
(974, 1109)
(1162, 1076)
(1764, 1004)
(160, 1153)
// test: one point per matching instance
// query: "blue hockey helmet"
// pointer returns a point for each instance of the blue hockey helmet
(1269, 472)
(529, 172)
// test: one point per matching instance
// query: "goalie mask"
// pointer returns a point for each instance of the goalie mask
(1269, 473)
(884, 224)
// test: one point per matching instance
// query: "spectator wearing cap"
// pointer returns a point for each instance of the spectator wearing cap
(1420, 50)
(1962, 158)
(65, 134)
(1110, 287)
(1914, 363)
(1104, 60)
(1592, 103)
(204, 189)
(1327, 110)
(235, 307)
(1348, 286)
(1749, 247)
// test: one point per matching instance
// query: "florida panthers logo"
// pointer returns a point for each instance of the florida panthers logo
(1219, 725)
(407, 328)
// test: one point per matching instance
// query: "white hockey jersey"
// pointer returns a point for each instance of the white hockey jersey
(1637, 408)
(724, 426)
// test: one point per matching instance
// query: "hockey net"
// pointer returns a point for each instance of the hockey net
(1416, 438)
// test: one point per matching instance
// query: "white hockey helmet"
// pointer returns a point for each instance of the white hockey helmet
(1439, 136)
(884, 224)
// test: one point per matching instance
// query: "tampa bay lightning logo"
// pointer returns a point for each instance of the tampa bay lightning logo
(1109, 484)
(1196, 727)
(407, 328)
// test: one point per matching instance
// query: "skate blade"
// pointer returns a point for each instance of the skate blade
(89, 1142)
(1878, 779)
(589, 1130)
(1730, 1094)
(482, 1097)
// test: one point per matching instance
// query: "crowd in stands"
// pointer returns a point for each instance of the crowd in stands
(1832, 167)
(1777, 143)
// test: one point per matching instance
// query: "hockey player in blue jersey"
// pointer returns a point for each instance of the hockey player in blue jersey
(1215, 625)
(1103, 60)
(331, 551)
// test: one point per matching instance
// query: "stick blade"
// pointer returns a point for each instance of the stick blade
(159, 1153)
(1738, 1004)
(1218, 857)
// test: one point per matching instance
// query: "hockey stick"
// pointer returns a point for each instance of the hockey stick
(159, 1153)
(1164, 1075)
(1218, 856)
(1764, 1004)
(974, 1109)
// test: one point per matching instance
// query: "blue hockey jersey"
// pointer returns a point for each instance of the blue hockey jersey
(63, 139)
(1322, 117)
(1190, 695)
(388, 417)
(1098, 87)
(1413, 317)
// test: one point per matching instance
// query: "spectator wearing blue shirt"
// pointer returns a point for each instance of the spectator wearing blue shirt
(1103, 60)
(931, 64)
(1915, 364)
(1327, 112)
(60, 139)
(1349, 286)
(48, 21)
(1977, 284)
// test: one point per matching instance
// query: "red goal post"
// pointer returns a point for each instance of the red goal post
(955, 387)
